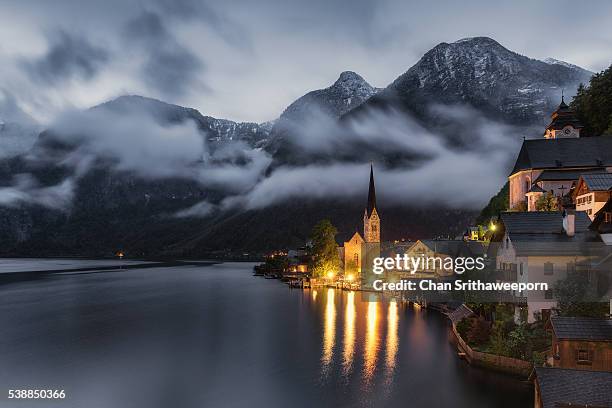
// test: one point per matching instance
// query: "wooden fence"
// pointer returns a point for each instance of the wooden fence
(493, 361)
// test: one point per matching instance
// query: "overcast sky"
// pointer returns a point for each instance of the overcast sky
(247, 60)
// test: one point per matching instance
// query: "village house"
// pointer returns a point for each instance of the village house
(592, 192)
(544, 247)
(555, 162)
(567, 388)
(602, 224)
(581, 343)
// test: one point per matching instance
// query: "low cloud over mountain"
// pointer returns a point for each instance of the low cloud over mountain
(140, 164)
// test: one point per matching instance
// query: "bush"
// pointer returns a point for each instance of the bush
(479, 332)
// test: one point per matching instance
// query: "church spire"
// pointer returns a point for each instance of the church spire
(371, 192)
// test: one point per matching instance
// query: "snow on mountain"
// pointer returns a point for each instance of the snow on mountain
(553, 61)
(349, 90)
(482, 73)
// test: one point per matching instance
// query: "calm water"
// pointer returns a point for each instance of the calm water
(218, 337)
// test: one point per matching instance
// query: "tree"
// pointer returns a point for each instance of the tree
(521, 206)
(325, 257)
(593, 104)
(547, 202)
(575, 295)
(497, 204)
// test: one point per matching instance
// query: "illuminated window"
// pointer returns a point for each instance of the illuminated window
(356, 259)
(608, 217)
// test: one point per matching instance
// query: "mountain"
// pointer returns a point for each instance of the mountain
(216, 131)
(349, 91)
(481, 73)
(115, 207)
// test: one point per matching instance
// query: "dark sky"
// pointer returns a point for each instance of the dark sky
(247, 60)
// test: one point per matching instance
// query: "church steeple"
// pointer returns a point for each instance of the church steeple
(371, 220)
(564, 122)
(371, 193)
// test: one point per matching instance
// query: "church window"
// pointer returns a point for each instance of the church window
(374, 228)
(356, 259)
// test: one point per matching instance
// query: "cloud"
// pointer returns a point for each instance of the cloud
(130, 141)
(201, 209)
(168, 67)
(25, 190)
(190, 10)
(442, 174)
(68, 56)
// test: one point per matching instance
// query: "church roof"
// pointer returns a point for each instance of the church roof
(582, 152)
(564, 116)
(563, 175)
(371, 193)
(536, 189)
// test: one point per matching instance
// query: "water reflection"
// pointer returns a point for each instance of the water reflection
(329, 332)
(350, 316)
(392, 335)
(371, 342)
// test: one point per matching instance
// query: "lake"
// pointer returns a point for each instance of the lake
(215, 336)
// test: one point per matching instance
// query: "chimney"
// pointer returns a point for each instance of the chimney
(569, 222)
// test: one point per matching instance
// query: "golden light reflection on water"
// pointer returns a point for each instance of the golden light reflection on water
(329, 331)
(371, 342)
(314, 294)
(350, 316)
(392, 335)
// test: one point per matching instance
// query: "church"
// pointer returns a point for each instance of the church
(357, 250)
(555, 162)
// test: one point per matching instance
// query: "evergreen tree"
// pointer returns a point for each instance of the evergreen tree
(593, 104)
(497, 204)
(325, 257)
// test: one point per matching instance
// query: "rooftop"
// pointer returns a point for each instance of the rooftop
(579, 388)
(598, 181)
(541, 222)
(582, 152)
(582, 328)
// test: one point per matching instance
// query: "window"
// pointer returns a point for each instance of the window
(548, 294)
(548, 268)
(507, 242)
(373, 227)
(521, 268)
(583, 356)
(571, 267)
(608, 217)
(356, 259)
